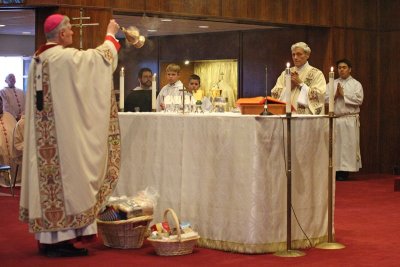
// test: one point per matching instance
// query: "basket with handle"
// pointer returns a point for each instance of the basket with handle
(179, 246)
(124, 233)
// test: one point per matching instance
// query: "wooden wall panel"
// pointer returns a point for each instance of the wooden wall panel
(70, 2)
(319, 40)
(390, 101)
(317, 12)
(389, 15)
(41, 2)
(193, 7)
(263, 10)
(92, 36)
(360, 47)
(98, 3)
(302, 12)
(137, 5)
(200, 46)
(175, 7)
(355, 14)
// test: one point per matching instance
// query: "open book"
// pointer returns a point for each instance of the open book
(260, 100)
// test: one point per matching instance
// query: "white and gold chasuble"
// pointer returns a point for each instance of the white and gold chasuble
(315, 96)
(72, 145)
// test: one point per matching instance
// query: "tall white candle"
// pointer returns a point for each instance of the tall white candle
(121, 89)
(288, 84)
(266, 80)
(154, 92)
(331, 91)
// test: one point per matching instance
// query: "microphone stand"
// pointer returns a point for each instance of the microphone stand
(289, 252)
(331, 244)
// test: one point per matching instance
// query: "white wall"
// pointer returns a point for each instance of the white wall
(17, 45)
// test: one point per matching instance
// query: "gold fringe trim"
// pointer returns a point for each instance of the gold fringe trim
(258, 248)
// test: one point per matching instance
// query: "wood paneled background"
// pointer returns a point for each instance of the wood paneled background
(365, 31)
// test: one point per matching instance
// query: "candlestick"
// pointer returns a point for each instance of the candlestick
(153, 92)
(121, 89)
(331, 91)
(288, 84)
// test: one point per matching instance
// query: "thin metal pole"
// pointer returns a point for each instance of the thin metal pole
(331, 244)
(289, 184)
(289, 252)
(330, 180)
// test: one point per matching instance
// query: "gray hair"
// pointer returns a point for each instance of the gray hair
(53, 34)
(303, 46)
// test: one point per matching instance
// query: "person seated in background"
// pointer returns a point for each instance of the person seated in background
(197, 93)
(12, 99)
(308, 85)
(139, 98)
(173, 86)
(7, 125)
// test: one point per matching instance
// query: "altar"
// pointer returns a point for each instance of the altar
(226, 174)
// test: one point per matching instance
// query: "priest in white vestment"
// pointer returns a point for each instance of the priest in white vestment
(71, 152)
(12, 98)
(308, 85)
(349, 96)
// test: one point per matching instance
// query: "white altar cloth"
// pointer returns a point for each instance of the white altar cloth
(226, 174)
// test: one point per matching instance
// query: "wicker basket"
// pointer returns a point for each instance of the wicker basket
(125, 233)
(173, 247)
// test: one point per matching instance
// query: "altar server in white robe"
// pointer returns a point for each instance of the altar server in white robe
(12, 98)
(308, 85)
(198, 94)
(172, 92)
(348, 99)
(71, 152)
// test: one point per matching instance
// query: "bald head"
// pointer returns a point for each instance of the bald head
(10, 80)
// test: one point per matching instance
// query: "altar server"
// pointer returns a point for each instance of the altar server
(72, 144)
(349, 96)
(173, 89)
(197, 93)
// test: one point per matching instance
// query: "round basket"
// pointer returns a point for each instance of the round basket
(125, 233)
(173, 247)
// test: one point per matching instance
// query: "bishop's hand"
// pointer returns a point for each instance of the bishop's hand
(112, 27)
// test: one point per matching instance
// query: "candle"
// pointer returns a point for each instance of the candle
(331, 90)
(266, 80)
(121, 89)
(153, 92)
(288, 83)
